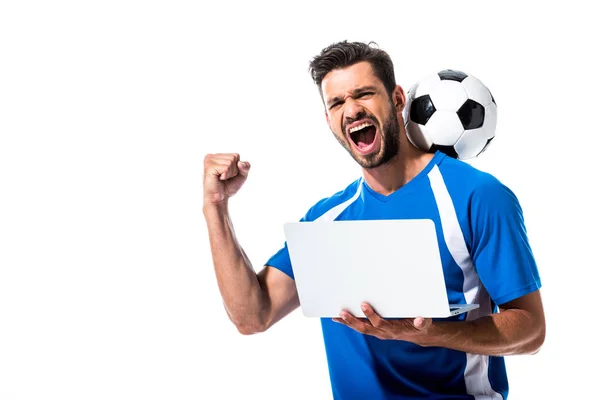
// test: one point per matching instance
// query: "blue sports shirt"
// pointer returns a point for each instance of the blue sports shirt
(486, 259)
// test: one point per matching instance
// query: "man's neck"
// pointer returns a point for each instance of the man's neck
(396, 173)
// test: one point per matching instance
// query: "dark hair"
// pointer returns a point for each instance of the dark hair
(344, 54)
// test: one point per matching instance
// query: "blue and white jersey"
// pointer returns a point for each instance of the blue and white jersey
(486, 258)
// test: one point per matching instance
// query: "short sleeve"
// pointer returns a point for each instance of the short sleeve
(281, 260)
(501, 251)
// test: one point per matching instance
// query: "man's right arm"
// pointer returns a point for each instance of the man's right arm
(254, 302)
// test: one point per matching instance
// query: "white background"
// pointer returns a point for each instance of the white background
(107, 109)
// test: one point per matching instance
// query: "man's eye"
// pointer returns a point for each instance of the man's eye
(334, 105)
(364, 94)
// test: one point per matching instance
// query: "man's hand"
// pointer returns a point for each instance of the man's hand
(224, 175)
(411, 330)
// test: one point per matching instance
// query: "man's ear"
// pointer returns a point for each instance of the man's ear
(399, 98)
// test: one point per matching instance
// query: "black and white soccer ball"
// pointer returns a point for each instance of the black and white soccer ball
(451, 111)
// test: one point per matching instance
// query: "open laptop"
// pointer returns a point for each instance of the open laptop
(394, 265)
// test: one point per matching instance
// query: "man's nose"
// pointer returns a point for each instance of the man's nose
(353, 111)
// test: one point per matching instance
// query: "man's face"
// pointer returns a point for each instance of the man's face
(361, 115)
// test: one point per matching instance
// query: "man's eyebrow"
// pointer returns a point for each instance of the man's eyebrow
(364, 89)
(355, 92)
(334, 100)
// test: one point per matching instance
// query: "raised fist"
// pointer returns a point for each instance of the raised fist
(224, 175)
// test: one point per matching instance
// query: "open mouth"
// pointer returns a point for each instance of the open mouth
(363, 136)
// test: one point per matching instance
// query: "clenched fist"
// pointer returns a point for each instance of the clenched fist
(224, 175)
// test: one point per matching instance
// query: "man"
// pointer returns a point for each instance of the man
(483, 243)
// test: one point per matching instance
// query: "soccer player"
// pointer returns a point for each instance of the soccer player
(482, 238)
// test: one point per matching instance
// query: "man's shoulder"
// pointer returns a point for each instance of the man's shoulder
(337, 199)
(468, 178)
(463, 171)
(468, 183)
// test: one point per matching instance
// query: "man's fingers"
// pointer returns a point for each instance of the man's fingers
(222, 169)
(230, 171)
(373, 317)
(232, 158)
(238, 168)
(226, 166)
(357, 324)
(243, 168)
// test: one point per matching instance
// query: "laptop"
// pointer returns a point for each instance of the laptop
(394, 265)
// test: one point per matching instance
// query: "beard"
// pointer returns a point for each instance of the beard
(390, 140)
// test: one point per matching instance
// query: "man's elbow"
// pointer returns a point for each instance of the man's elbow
(537, 341)
(253, 328)
(248, 324)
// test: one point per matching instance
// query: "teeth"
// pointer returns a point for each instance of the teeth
(361, 126)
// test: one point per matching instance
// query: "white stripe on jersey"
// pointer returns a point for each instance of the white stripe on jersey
(477, 380)
(335, 212)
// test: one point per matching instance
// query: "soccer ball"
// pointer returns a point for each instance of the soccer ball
(451, 111)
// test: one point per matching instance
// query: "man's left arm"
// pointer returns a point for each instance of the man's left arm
(519, 328)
